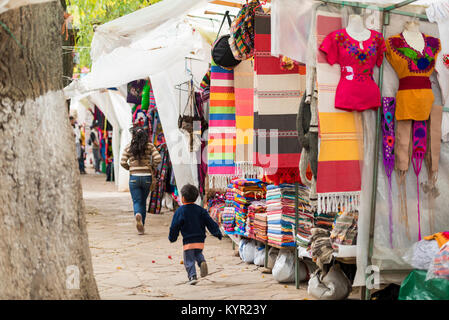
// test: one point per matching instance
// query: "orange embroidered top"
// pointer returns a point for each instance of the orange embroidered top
(414, 98)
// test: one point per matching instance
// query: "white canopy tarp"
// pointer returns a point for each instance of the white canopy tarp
(157, 50)
(116, 110)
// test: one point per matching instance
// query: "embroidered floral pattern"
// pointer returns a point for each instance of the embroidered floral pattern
(418, 62)
(361, 55)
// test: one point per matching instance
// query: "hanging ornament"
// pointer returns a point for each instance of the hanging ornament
(388, 108)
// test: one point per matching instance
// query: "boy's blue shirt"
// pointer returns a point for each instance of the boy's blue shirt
(192, 220)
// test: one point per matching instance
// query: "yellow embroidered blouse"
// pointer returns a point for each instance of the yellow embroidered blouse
(414, 98)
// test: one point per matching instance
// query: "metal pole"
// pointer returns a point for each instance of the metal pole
(266, 256)
(398, 5)
(294, 236)
(385, 22)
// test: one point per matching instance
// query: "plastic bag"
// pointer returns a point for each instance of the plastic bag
(272, 256)
(439, 268)
(421, 254)
(247, 250)
(415, 287)
(334, 285)
(284, 267)
(259, 258)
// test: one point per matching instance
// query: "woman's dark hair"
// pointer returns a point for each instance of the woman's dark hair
(138, 143)
(190, 193)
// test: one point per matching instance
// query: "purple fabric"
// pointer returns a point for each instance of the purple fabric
(388, 108)
(135, 89)
(419, 151)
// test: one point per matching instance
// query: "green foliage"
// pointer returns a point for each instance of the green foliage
(88, 13)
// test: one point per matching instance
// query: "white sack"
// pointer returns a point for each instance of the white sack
(334, 286)
(284, 267)
(259, 258)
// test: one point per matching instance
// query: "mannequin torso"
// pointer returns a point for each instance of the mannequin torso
(413, 36)
(356, 29)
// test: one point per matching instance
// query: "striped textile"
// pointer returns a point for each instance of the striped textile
(277, 96)
(221, 145)
(244, 118)
(340, 133)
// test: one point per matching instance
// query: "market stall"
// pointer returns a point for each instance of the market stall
(296, 96)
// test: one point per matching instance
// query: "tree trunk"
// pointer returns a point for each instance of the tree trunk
(44, 250)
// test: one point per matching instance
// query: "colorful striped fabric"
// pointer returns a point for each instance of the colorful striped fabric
(221, 145)
(340, 132)
(277, 96)
(244, 111)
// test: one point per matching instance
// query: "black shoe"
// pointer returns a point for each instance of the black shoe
(203, 268)
(193, 280)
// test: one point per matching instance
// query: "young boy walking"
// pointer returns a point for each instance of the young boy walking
(192, 221)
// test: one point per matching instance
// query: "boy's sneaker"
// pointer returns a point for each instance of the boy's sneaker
(203, 268)
(139, 224)
(193, 280)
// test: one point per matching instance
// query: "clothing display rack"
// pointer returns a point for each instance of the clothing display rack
(385, 17)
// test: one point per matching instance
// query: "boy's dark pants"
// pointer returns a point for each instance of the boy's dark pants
(190, 256)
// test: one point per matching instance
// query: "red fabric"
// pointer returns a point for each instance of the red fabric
(285, 175)
(333, 176)
(409, 83)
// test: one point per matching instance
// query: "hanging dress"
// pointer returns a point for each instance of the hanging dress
(357, 66)
(414, 98)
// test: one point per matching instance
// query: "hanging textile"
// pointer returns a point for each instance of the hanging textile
(277, 95)
(161, 175)
(388, 109)
(419, 151)
(244, 118)
(156, 134)
(432, 159)
(340, 132)
(221, 145)
(205, 86)
(202, 165)
(135, 89)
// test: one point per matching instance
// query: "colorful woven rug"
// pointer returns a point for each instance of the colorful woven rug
(278, 93)
(221, 145)
(340, 133)
(244, 118)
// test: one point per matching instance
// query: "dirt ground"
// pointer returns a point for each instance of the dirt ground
(132, 266)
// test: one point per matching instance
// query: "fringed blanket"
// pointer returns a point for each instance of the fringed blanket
(244, 118)
(221, 145)
(278, 93)
(340, 132)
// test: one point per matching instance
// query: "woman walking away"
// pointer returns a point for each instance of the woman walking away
(140, 158)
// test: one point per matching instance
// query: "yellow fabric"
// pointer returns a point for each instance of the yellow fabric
(222, 96)
(439, 237)
(411, 104)
(340, 136)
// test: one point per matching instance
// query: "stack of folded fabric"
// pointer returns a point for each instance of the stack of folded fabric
(325, 220)
(255, 208)
(245, 192)
(281, 214)
(215, 207)
(228, 215)
(305, 217)
(260, 226)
